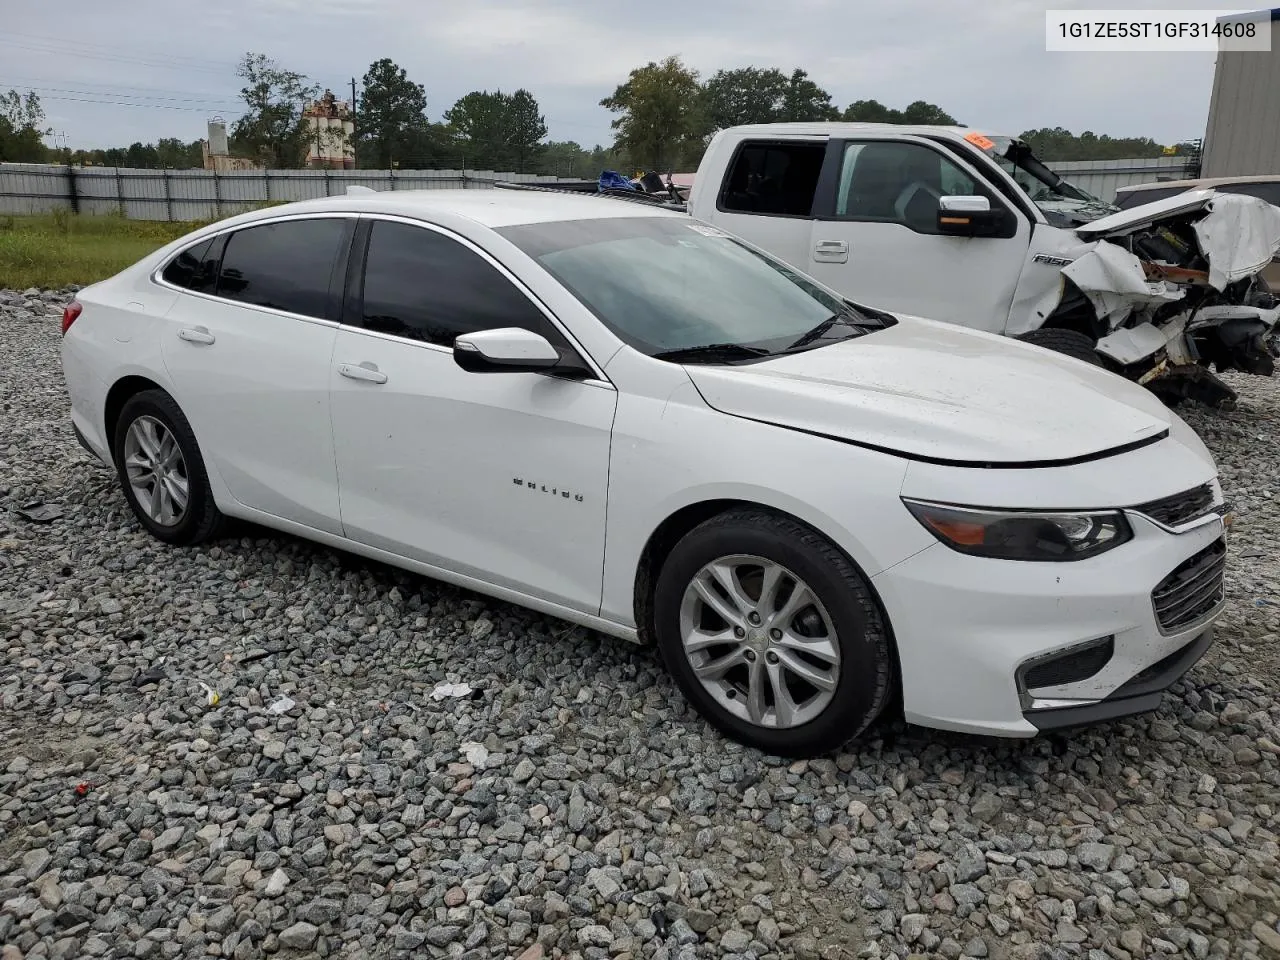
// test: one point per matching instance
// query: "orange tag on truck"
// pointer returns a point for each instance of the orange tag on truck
(979, 141)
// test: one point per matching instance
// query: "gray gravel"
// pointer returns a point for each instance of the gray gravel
(571, 805)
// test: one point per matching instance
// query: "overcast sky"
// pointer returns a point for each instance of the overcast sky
(158, 69)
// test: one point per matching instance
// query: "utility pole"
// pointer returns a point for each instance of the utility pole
(354, 159)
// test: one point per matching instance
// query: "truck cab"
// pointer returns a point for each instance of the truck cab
(967, 227)
(857, 206)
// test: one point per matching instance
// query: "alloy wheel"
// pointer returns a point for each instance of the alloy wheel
(760, 641)
(156, 471)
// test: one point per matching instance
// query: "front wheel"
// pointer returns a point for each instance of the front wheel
(772, 634)
(1072, 343)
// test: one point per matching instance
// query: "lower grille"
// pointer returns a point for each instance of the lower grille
(1071, 666)
(1180, 508)
(1192, 590)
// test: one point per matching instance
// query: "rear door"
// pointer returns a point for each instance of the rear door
(247, 346)
(875, 237)
(768, 192)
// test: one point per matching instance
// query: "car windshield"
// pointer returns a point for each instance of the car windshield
(1061, 201)
(673, 285)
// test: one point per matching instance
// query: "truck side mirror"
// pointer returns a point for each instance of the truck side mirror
(969, 216)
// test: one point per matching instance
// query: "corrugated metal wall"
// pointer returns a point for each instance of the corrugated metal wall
(205, 194)
(1243, 134)
(1103, 177)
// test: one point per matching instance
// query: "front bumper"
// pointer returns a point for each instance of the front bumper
(968, 629)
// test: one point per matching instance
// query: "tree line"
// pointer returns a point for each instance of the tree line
(665, 114)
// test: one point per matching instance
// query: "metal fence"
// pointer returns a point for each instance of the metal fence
(210, 194)
(204, 194)
(1103, 177)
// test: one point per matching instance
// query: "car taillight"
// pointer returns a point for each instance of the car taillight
(69, 314)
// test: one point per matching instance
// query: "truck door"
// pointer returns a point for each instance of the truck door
(767, 194)
(875, 236)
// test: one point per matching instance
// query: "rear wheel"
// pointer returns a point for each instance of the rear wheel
(162, 472)
(772, 634)
(1072, 343)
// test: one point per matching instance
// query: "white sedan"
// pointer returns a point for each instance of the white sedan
(626, 418)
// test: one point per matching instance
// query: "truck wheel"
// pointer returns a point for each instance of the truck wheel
(772, 634)
(1072, 343)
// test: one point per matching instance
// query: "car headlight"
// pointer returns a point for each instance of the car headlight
(1023, 534)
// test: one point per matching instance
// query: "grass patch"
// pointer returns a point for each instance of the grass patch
(53, 250)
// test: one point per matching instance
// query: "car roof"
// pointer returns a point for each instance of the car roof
(1202, 183)
(488, 207)
(836, 128)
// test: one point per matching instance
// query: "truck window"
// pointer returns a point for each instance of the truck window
(774, 178)
(1136, 198)
(1269, 192)
(899, 183)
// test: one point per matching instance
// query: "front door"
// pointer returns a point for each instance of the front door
(877, 241)
(498, 476)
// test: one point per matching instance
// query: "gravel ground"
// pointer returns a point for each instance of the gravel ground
(571, 804)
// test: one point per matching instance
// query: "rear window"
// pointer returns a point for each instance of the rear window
(774, 178)
(1269, 192)
(193, 268)
(1136, 198)
(285, 266)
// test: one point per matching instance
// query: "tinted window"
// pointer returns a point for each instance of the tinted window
(774, 178)
(193, 268)
(899, 183)
(1269, 192)
(282, 265)
(425, 286)
(1136, 198)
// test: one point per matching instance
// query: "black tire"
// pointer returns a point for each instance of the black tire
(866, 675)
(1072, 343)
(202, 519)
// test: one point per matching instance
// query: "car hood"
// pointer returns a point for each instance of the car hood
(1147, 214)
(934, 391)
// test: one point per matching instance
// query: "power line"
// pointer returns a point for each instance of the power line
(218, 103)
(109, 88)
(153, 106)
(63, 43)
(62, 51)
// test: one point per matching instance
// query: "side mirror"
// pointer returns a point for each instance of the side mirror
(506, 350)
(969, 217)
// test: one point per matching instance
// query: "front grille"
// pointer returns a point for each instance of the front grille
(1070, 667)
(1180, 508)
(1193, 589)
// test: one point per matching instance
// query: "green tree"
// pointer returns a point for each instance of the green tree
(22, 128)
(803, 100)
(273, 128)
(497, 131)
(392, 123)
(1058, 143)
(918, 112)
(661, 122)
(744, 95)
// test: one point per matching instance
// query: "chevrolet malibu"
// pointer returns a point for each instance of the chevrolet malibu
(626, 418)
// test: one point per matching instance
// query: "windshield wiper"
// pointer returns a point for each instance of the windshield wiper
(818, 332)
(712, 352)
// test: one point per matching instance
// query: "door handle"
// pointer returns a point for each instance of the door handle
(196, 335)
(831, 251)
(366, 371)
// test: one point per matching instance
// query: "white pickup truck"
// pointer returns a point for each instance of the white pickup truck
(958, 225)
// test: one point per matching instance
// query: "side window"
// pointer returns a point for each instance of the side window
(284, 265)
(1269, 192)
(1136, 198)
(774, 178)
(194, 268)
(423, 285)
(899, 183)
